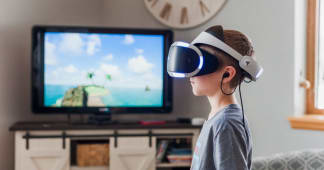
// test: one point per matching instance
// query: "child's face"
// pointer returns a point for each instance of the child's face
(206, 85)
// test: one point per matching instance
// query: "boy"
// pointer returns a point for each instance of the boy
(225, 141)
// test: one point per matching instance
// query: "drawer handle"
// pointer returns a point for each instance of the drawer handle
(150, 138)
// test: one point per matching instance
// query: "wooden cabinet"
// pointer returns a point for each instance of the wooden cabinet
(133, 153)
(130, 148)
(43, 154)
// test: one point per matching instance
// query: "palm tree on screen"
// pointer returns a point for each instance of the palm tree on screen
(90, 76)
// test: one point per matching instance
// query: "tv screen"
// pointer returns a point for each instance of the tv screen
(87, 69)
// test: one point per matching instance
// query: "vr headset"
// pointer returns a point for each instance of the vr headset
(188, 60)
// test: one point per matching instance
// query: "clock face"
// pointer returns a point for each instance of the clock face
(183, 13)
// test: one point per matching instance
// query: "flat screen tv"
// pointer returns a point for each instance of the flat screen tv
(100, 70)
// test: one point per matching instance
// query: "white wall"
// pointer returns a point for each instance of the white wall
(270, 24)
(16, 20)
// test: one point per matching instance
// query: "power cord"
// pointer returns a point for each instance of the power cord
(226, 75)
(246, 133)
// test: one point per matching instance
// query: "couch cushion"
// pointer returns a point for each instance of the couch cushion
(311, 159)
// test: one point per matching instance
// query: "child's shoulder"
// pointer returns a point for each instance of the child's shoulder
(232, 113)
(228, 117)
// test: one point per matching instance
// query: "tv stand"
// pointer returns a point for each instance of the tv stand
(128, 144)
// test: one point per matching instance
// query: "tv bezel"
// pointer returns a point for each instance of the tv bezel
(37, 72)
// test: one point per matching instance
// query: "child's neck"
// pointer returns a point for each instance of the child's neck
(218, 102)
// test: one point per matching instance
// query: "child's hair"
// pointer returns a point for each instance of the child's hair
(239, 42)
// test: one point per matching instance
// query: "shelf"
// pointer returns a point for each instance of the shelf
(173, 137)
(89, 168)
(165, 165)
(37, 125)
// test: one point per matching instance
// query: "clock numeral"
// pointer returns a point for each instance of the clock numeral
(184, 16)
(166, 11)
(153, 3)
(203, 7)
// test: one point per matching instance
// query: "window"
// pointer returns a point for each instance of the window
(314, 117)
(315, 57)
(319, 94)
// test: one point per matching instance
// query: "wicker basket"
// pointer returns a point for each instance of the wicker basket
(93, 154)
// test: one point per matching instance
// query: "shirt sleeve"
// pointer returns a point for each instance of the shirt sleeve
(229, 149)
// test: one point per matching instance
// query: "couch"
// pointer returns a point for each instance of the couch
(310, 159)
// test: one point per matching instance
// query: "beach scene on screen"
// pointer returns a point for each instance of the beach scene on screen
(103, 70)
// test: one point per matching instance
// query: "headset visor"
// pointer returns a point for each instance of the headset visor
(182, 60)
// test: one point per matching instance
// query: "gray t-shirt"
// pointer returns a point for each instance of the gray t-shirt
(223, 143)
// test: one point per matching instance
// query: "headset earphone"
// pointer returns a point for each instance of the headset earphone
(226, 74)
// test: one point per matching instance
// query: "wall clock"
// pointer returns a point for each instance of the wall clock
(183, 13)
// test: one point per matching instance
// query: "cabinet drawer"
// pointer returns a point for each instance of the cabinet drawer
(133, 142)
(47, 144)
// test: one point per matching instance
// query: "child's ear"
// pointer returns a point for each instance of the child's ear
(229, 74)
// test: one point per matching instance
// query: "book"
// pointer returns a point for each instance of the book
(179, 158)
(162, 148)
